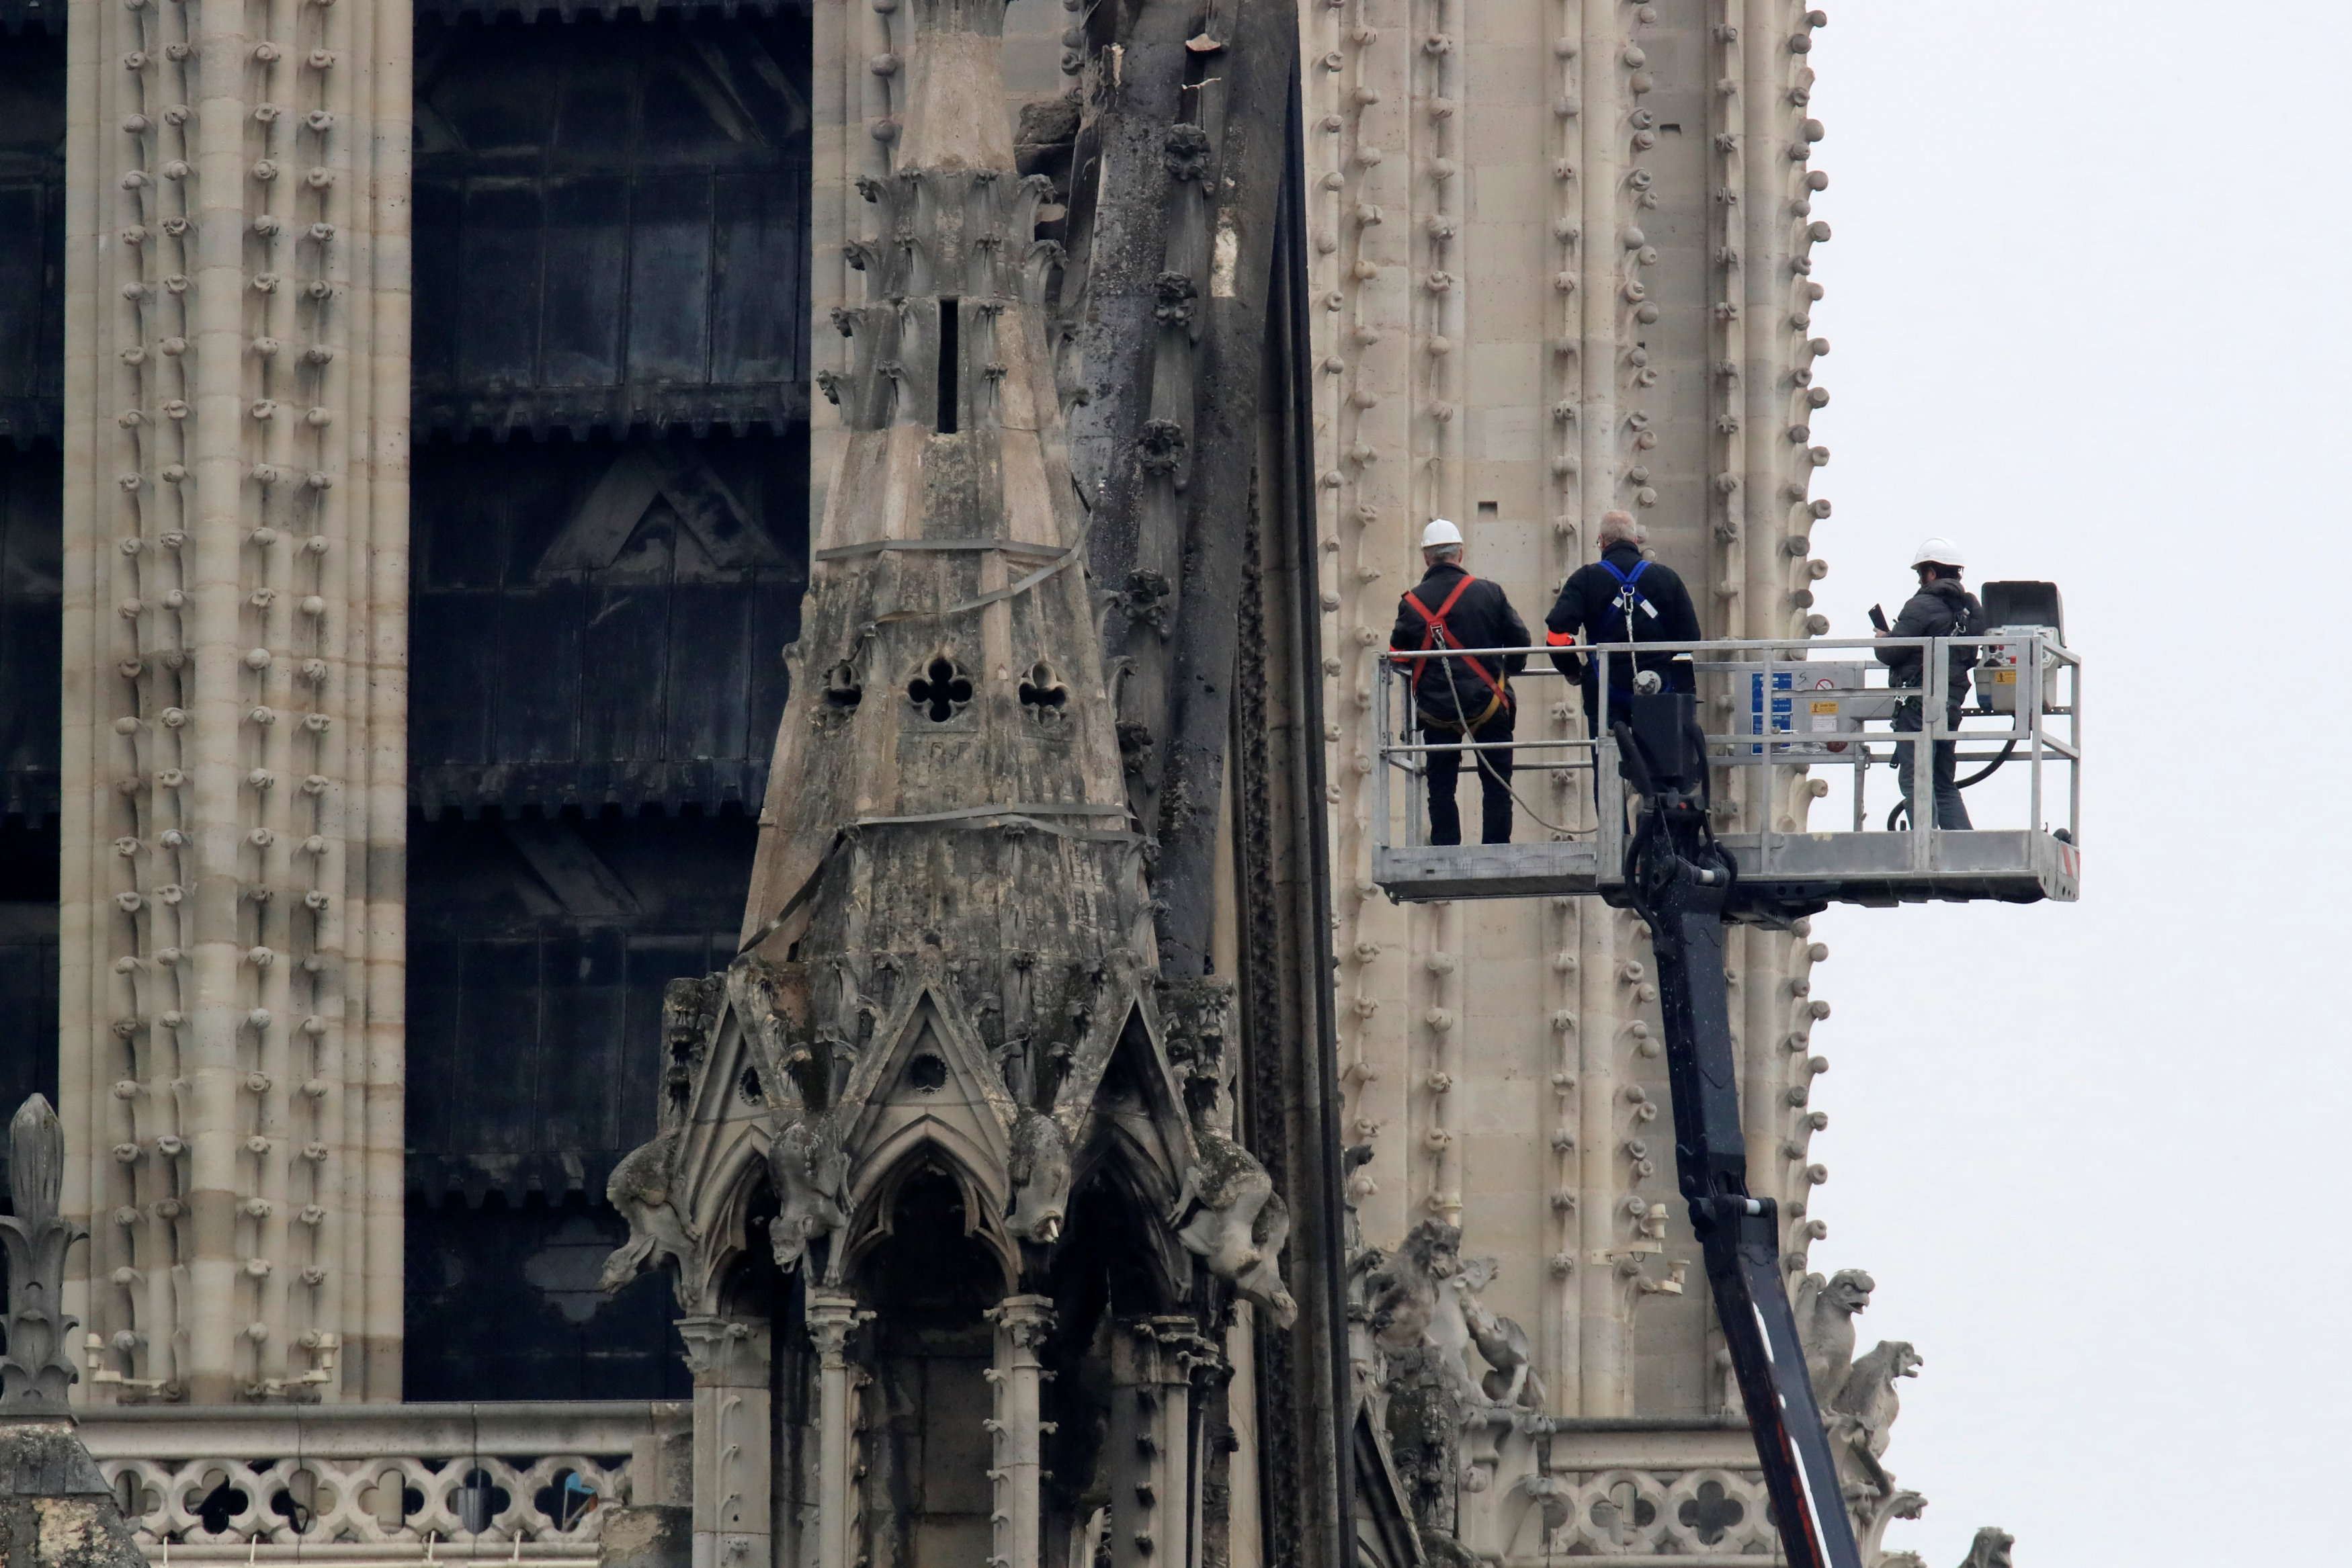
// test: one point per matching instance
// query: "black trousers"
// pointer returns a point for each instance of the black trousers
(1494, 769)
(1951, 812)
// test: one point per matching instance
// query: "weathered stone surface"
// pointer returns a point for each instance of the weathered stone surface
(55, 1508)
(648, 1536)
(43, 1459)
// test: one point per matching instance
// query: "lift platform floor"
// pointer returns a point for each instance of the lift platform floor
(1875, 869)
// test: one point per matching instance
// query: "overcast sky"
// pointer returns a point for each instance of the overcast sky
(2088, 303)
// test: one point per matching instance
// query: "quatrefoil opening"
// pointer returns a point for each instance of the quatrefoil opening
(941, 690)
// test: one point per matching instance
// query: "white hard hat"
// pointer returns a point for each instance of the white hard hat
(1937, 551)
(1440, 532)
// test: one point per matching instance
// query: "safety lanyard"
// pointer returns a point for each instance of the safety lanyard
(1628, 596)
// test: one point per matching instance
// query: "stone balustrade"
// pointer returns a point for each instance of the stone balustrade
(385, 1483)
(1667, 1491)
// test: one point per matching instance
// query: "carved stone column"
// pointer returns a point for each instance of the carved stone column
(1150, 1437)
(236, 527)
(732, 1481)
(831, 1319)
(1022, 1324)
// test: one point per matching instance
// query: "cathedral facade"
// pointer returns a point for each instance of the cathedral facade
(688, 744)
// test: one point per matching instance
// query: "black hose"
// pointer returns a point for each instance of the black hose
(2008, 750)
(1990, 769)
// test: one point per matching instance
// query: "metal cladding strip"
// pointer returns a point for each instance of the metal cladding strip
(211, 293)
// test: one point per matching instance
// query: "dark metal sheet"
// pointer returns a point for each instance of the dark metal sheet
(709, 710)
(434, 275)
(538, 718)
(612, 225)
(435, 969)
(498, 1062)
(498, 304)
(669, 279)
(759, 317)
(31, 629)
(32, 220)
(624, 664)
(565, 10)
(587, 263)
(583, 1034)
(452, 686)
(567, 588)
(18, 17)
(531, 1000)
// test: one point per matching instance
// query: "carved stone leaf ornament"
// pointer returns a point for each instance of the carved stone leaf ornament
(37, 1366)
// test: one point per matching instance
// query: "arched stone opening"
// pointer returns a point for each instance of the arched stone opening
(928, 1276)
(1110, 1276)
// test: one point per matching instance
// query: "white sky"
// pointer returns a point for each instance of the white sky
(2088, 304)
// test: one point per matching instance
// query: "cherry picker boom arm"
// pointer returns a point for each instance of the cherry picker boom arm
(1685, 885)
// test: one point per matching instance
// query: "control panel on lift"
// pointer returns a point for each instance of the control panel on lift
(1806, 740)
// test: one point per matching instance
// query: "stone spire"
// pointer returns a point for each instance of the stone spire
(946, 1052)
(947, 779)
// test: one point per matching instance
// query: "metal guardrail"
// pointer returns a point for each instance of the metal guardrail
(1788, 704)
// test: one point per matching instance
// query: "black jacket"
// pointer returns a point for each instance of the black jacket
(1942, 609)
(1481, 618)
(1586, 604)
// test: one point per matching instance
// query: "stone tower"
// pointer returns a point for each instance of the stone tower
(1106, 546)
(943, 1084)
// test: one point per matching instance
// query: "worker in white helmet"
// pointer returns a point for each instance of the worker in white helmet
(1461, 699)
(1942, 608)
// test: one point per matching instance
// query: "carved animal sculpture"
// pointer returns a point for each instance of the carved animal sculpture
(807, 1165)
(1401, 1300)
(1990, 1549)
(1512, 1379)
(1229, 1215)
(1040, 1170)
(1862, 1416)
(1825, 1314)
(641, 1188)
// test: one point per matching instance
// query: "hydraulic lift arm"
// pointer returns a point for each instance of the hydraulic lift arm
(1685, 885)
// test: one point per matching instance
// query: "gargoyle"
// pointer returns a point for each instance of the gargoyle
(1990, 1549)
(1229, 1215)
(1862, 1415)
(1825, 1312)
(807, 1165)
(1040, 1169)
(641, 1188)
(1402, 1301)
(1504, 1344)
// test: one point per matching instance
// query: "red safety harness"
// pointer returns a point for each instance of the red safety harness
(1436, 633)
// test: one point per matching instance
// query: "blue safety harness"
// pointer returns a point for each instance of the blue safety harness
(1620, 692)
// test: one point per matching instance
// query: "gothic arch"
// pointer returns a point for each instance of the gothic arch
(872, 1222)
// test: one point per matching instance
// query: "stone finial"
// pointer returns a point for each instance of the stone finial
(38, 1364)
